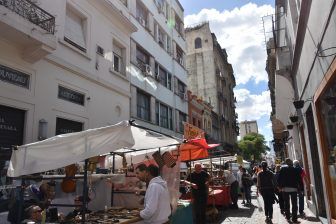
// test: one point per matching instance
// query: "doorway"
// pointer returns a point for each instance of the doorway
(321, 209)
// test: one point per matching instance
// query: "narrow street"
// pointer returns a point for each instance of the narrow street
(255, 214)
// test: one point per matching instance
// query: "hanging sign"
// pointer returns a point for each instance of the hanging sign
(192, 132)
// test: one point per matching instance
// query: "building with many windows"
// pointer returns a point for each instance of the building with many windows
(64, 67)
(158, 75)
(210, 77)
(246, 127)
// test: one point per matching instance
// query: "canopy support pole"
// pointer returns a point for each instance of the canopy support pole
(112, 184)
(21, 199)
(84, 206)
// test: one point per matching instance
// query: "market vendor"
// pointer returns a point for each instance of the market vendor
(33, 214)
(198, 180)
(35, 194)
(157, 207)
(76, 214)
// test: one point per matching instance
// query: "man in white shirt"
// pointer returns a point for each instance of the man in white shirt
(239, 179)
(157, 200)
(234, 185)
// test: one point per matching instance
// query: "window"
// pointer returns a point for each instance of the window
(118, 59)
(75, 29)
(143, 106)
(181, 87)
(142, 60)
(169, 48)
(164, 77)
(198, 43)
(141, 14)
(182, 118)
(178, 24)
(142, 56)
(179, 55)
(164, 116)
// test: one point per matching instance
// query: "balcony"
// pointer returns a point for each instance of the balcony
(29, 27)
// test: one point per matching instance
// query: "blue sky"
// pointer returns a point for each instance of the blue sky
(238, 25)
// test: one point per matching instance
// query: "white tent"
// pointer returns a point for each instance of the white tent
(63, 150)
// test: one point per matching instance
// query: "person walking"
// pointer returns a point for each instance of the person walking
(302, 172)
(234, 187)
(157, 207)
(247, 183)
(239, 179)
(289, 183)
(265, 185)
(277, 191)
(198, 180)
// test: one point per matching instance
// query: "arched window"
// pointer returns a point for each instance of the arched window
(198, 43)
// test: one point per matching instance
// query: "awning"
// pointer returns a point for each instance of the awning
(63, 150)
(195, 149)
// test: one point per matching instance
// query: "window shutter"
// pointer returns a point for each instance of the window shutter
(74, 28)
(175, 85)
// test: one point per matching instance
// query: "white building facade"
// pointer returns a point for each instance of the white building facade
(246, 127)
(64, 67)
(305, 95)
(158, 75)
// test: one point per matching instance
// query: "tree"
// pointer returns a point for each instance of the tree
(252, 145)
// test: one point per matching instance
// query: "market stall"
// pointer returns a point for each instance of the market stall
(64, 150)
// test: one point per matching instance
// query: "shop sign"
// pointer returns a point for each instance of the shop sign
(11, 129)
(192, 132)
(64, 126)
(14, 77)
(70, 95)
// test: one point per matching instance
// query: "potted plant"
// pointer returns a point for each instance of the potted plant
(298, 104)
(294, 118)
(290, 126)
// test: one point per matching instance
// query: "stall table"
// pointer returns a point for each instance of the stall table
(219, 196)
(183, 213)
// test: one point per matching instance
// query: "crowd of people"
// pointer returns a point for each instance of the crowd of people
(284, 184)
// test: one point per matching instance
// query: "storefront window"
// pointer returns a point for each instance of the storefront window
(327, 108)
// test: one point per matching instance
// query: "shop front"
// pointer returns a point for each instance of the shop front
(325, 102)
(11, 134)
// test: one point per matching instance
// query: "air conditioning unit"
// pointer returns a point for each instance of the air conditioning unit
(148, 70)
(181, 61)
(142, 21)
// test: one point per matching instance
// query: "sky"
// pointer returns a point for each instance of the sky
(241, 27)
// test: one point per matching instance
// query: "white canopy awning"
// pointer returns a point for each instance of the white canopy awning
(63, 150)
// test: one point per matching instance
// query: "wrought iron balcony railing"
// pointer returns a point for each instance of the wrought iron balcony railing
(31, 12)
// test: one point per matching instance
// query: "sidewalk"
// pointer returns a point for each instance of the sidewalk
(255, 214)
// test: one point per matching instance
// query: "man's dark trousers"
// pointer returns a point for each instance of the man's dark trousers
(290, 196)
(199, 209)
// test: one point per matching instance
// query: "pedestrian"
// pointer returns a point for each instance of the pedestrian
(234, 187)
(289, 181)
(277, 191)
(33, 214)
(157, 207)
(198, 180)
(302, 172)
(265, 185)
(241, 187)
(247, 182)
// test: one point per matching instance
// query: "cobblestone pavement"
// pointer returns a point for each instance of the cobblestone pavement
(255, 214)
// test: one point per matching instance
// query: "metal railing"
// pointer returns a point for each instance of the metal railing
(32, 13)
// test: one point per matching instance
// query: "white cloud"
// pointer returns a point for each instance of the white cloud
(240, 32)
(251, 106)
